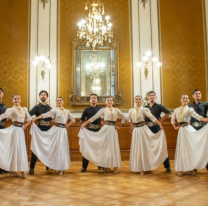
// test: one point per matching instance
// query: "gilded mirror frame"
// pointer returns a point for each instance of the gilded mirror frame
(75, 100)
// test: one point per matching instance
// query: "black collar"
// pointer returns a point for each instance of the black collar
(92, 107)
(41, 105)
(152, 105)
(199, 102)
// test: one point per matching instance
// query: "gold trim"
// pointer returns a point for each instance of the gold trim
(131, 53)
(28, 55)
(58, 48)
(75, 100)
(160, 51)
(205, 45)
(140, 51)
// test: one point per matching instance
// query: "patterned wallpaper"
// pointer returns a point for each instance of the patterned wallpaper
(14, 49)
(183, 58)
(71, 12)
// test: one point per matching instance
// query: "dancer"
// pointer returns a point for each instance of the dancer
(52, 146)
(156, 110)
(3, 108)
(43, 125)
(102, 147)
(148, 150)
(201, 109)
(94, 126)
(13, 152)
(191, 148)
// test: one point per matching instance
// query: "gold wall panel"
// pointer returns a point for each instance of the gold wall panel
(182, 44)
(14, 49)
(71, 12)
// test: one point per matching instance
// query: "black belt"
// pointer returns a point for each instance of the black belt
(60, 125)
(151, 124)
(183, 124)
(3, 124)
(198, 124)
(93, 126)
(111, 123)
(140, 124)
(17, 124)
(44, 123)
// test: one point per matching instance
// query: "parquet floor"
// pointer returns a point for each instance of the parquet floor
(94, 187)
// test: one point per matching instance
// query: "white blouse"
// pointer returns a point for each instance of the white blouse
(185, 116)
(60, 115)
(18, 114)
(140, 115)
(109, 114)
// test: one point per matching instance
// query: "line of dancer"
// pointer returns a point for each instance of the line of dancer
(100, 144)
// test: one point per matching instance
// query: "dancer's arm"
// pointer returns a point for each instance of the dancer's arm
(196, 116)
(28, 117)
(92, 119)
(152, 118)
(123, 119)
(173, 120)
(7, 114)
(167, 113)
(71, 118)
(51, 113)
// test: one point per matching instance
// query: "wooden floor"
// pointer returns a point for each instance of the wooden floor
(102, 188)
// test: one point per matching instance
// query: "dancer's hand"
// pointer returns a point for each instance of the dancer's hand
(131, 129)
(82, 126)
(161, 127)
(23, 127)
(177, 128)
(33, 120)
(102, 123)
(117, 127)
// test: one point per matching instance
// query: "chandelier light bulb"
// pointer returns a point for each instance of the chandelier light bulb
(86, 7)
(138, 64)
(35, 63)
(49, 66)
(148, 53)
(107, 18)
(158, 64)
(47, 61)
(37, 58)
(145, 58)
(42, 58)
(154, 59)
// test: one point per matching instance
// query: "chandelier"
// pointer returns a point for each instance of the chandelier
(148, 58)
(94, 29)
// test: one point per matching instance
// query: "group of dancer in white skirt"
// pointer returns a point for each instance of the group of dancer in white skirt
(148, 149)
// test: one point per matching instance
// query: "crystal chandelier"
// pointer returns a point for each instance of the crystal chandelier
(94, 29)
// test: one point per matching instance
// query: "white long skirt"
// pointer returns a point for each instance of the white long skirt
(102, 147)
(13, 152)
(51, 147)
(191, 149)
(148, 150)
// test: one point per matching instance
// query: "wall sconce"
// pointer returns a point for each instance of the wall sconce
(149, 57)
(45, 62)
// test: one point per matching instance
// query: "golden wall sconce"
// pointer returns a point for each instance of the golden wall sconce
(43, 62)
(148, 58)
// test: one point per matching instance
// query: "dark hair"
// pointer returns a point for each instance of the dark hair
(110, 97)
(137, 96)
(94, 95)
(151, 92)
(60, 98)
(1, 89)
(16, 95)
(43, 91)
(196, 90)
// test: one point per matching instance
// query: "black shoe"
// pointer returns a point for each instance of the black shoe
(31, 171)
(47, 168)
(83, 169)
(5, 172)
(168, 169)
(1, 171)
(100, 168)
